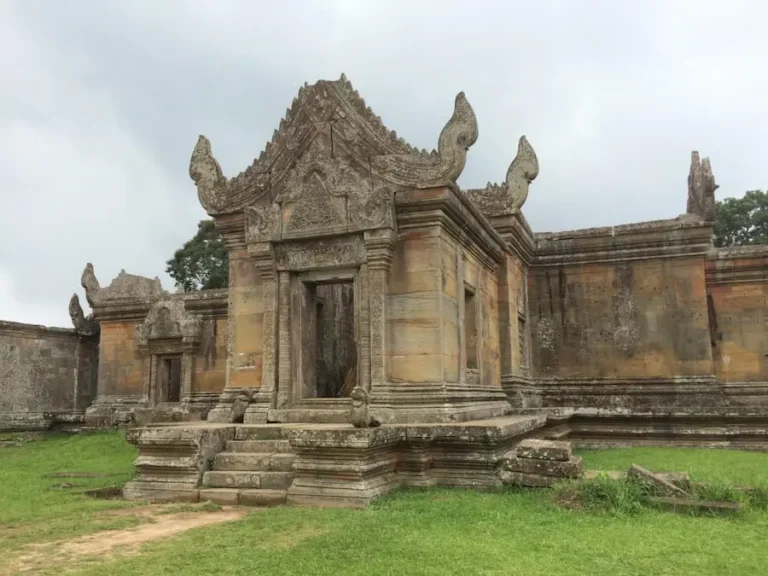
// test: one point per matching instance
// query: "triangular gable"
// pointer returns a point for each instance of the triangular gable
(326, 120)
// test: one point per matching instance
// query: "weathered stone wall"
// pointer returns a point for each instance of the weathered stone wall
(47, 375)
(246, 321)
(619, 315)
(210, 365)
(121, 366)
(414, 304)
(737, 289)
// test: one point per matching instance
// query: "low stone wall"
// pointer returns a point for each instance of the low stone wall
(47, 376)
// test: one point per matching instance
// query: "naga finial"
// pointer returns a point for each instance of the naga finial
(508, 198)
(206, 173)
(90, 284)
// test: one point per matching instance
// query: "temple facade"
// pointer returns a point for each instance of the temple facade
(379, 318)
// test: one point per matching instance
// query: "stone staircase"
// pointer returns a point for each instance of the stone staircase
(255, 469)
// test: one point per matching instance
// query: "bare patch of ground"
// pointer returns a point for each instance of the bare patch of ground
(65, 554)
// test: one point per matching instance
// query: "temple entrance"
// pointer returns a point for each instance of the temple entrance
(328, 359)
(169, 379)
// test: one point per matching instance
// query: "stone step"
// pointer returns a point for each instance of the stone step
(244, 497)
(241, 461)
(241, 479)
(262, 497)
(255, 432)
(254, 462)
(220, 479)
(269, 446)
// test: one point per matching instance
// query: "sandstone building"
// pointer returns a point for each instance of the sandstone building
(365, 285)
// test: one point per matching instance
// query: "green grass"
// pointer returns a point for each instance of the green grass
(703, 464)
(34, 507)
(435, 531)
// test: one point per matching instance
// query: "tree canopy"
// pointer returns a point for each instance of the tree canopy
(202, 263)
(742, 221)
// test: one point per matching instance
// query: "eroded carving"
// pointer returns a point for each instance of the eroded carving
(263, 223)
(359, 412)
(306, 133)
(124, 287)
(84, 325)
(441, 167)
(168, 320)
(701, 189)
(508, 198)
(333, 252)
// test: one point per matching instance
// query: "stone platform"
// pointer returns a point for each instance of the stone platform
(333, 465)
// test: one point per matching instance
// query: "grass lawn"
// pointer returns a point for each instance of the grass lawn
(35, 506)
(435, 531)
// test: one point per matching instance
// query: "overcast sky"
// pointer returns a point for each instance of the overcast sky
(101, 103)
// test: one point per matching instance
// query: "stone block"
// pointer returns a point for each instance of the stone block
(262, 446)
(222, 496)
(276, 480)
(657, 484)
(241, 461)
(281, 462)
(544, 449)
(522, 479)
(680, 504)
(220, 479)
(262, 497)
(572, 468)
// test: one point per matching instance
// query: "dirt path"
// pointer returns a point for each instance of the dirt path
(110, 543)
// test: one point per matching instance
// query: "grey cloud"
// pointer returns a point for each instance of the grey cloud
(104, 100)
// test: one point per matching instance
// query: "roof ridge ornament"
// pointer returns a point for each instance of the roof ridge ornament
(701, 188)
(508, 198)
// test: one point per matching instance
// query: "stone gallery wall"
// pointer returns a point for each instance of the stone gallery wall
(619, 315)
(737, 289)
(47, 375)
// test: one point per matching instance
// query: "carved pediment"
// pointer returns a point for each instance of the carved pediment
(326, 121)
(508, 198)
(169, 320)
(125, 287)
(322, 197)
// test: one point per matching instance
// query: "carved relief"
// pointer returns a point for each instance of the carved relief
(307, 133)
(330, 253)
(508, 198)
(263, 223)
(168, 320)
(701, 189)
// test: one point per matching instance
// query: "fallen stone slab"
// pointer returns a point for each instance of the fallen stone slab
(573, 468)
(658, 485)
(544, 449)
(523, 479)
(77, 475)
(676, 504)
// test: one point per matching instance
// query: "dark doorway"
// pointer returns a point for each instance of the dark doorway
(329, 344)
(170, 379)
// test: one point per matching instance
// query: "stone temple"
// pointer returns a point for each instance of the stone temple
(384, 328)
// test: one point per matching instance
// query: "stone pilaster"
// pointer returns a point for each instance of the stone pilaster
(264, 400)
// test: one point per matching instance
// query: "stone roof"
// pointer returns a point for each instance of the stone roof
(329, 119)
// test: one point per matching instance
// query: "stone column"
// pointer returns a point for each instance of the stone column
(264, 399)
(284, 340)
(380, 245)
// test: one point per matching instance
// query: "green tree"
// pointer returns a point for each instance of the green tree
(202, 263)
(742, 221)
